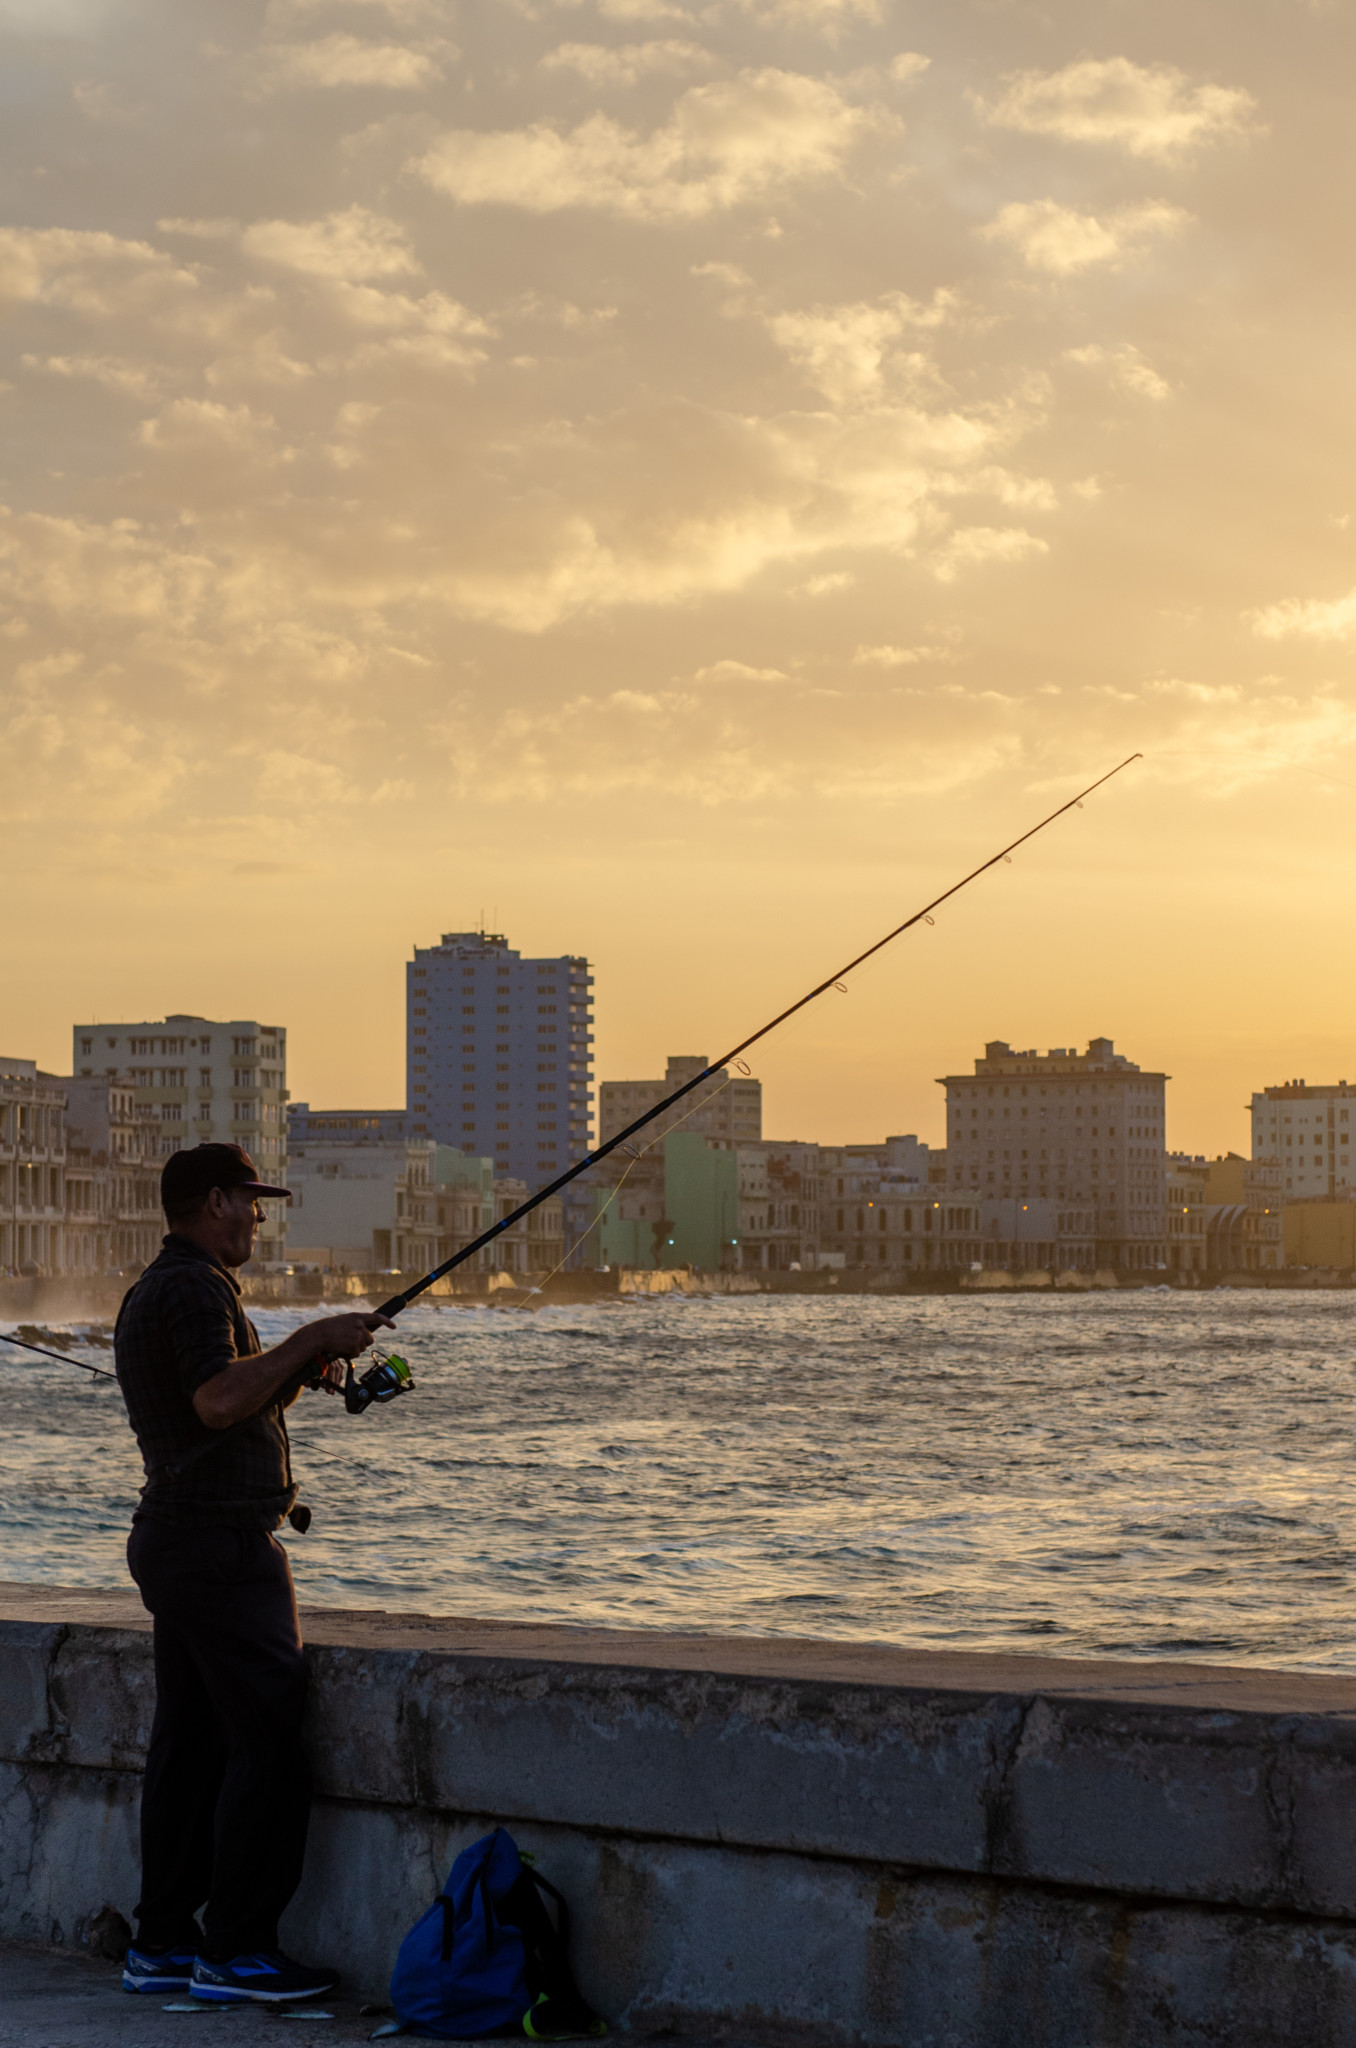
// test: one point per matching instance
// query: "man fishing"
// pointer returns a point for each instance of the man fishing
(226, 1799)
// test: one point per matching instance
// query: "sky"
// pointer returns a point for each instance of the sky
(681, 484)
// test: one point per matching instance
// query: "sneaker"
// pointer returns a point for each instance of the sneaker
(169, 1970)
(266, 1978)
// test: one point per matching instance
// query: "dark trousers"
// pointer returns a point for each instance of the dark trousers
(227, 1793)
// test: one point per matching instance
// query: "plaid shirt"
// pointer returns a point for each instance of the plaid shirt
(178, 1326)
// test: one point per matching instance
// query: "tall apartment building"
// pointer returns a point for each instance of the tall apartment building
(1084, 1131)
(497, 1053)
(203, 1080)
(1306, 1131)
(32, 1169)
(726, 1106)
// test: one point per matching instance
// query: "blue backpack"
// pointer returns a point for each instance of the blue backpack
(487, 1959)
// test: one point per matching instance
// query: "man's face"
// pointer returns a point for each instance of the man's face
(241, 1215)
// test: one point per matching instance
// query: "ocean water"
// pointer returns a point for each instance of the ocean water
(1134, 1475)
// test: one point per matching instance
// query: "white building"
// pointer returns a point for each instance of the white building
(373, 1203)
(1306, 1131)
(204, 1081)
(32, 1169)
(1084, 1131)
(367, 1206)
(114, 1222)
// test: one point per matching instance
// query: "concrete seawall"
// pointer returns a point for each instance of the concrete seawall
(96, 1298)
(775, 1839)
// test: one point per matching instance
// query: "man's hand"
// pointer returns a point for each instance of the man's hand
(249, 1385)
(343, 1336)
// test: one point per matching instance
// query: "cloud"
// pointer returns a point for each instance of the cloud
(74, 568)
(1061, 241)
(634, 10)
(352, 246)
(900, 657)
(205, 425)
(1126, 369)
(1148, 111)
(972, 545)
(132, 378)
(831, 16)
(724, 145)
(434, 330)
(344, 60)
(83, 754)
(626, 65)
(845, 350)
(398, 10)
(218, 230)
(89, 271)
(1298, 618)
(738, 672)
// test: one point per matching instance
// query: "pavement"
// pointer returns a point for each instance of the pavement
(65, 1998)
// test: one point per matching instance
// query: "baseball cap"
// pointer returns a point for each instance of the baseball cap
(188, 1176)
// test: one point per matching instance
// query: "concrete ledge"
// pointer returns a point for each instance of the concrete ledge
(808, 1838)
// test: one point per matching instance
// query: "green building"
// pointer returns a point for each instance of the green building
(701, 1199)
(689, 1217)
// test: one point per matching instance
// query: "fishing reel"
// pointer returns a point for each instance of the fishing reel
(381, 1382)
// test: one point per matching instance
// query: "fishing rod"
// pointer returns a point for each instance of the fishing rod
(99, 1371)
(401, 1301)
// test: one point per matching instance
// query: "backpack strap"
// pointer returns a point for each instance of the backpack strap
(481, 1878)
(544, 1884)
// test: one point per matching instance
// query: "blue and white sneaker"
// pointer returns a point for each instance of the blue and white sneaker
(267, 1978)
(170, 1970)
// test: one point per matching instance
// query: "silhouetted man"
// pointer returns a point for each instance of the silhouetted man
(226, 1799)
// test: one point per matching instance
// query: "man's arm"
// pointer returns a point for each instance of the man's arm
(247, 1386)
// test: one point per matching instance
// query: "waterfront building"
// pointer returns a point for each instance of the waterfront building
(114, 1222)
(779, 1182)
(1320, 1233)
(1244, 1224)
(497, 1055)
(886, 1221)
(204, 1080)
(363, 1205)
(728, 1106)
(631, 1226)
(1082, 1130)
(1187, 1201)
(1305, 1129)
(533, 1246)
(32, 1169)
(702, 1201)
(883, 1204)
(368, 1201)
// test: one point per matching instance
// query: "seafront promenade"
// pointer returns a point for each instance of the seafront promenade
(766, 1840)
